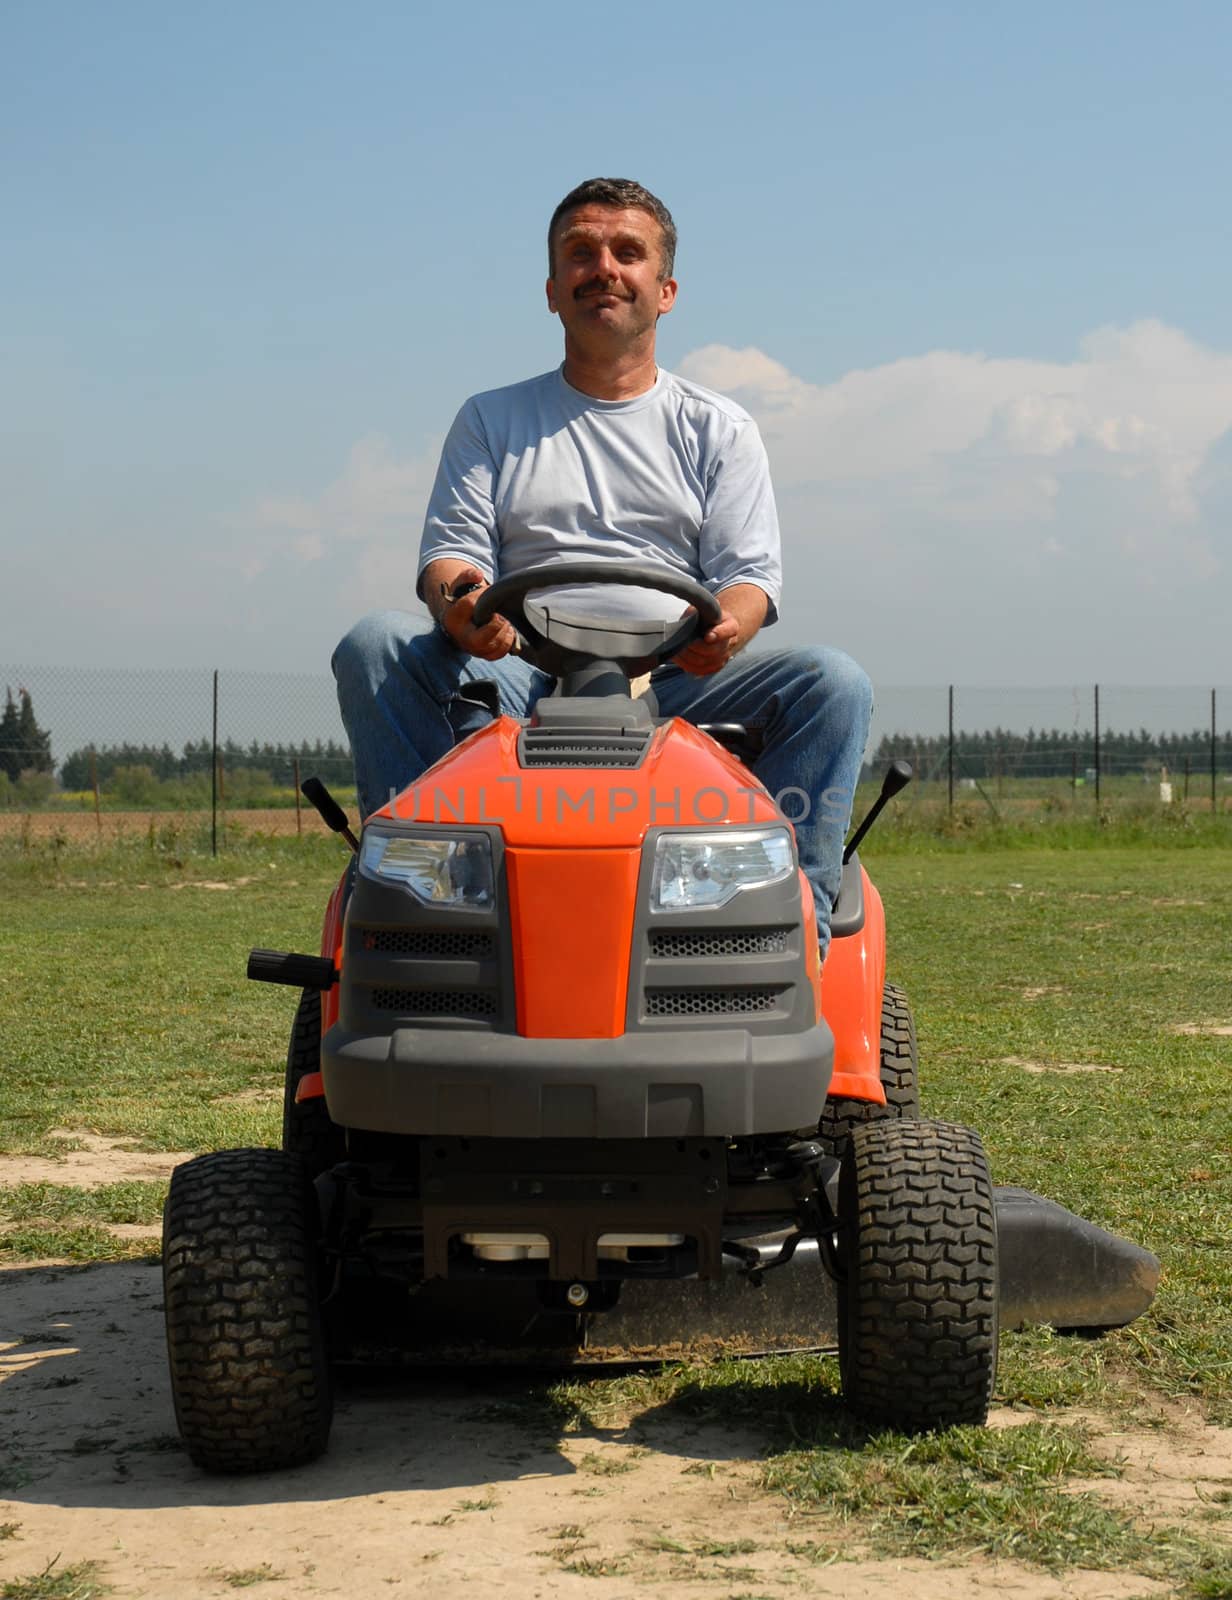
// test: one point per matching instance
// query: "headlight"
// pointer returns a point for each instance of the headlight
(695, 871)
(453, 872)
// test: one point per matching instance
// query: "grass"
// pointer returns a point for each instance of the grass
(133, 1017)
(1045, 815)
(487, 1502)
(1052, 958)
(127, 1014)
(997, 1492)
(1005, 1493)
(46, 1220)
(77, 1582)
(128, 1202)
(605, 1466)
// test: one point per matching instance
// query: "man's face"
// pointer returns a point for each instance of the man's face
(606, 278)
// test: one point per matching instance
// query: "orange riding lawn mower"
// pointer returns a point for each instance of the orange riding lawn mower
(567, 1083)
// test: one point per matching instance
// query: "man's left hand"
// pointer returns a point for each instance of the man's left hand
(713, 650)
(744, 607)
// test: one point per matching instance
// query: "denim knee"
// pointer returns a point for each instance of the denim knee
(840, 680)
(370, 645)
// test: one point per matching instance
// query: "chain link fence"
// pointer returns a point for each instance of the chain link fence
(107, 743)
(100, 743)
(1093, 746)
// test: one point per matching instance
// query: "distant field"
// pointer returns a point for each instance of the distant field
(83, 827)
(1023, 814)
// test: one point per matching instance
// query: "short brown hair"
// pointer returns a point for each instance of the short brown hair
(623, 194)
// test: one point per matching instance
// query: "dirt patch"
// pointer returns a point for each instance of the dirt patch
(1204, 1030)
(1171, 1474)
(207, 883)
(266, 1095)
(89, 1161)
(1063, 1067)
(435, 1484)
(1039, 990)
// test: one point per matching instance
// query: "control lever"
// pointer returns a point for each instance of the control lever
(332, 814)
(898, 777)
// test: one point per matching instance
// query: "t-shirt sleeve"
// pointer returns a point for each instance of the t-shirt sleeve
(739, 540)
(461, 518)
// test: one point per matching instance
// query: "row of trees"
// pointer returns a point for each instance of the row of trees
(163, 764)
(25, 747)
(1051, 753)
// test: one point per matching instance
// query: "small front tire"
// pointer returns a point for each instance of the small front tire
(249, 1376)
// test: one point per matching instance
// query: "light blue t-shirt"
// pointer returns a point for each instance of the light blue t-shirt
(539, 472)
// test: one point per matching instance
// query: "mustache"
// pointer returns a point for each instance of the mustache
(596, 286)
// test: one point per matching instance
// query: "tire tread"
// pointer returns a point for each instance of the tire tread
(918, 1312)
(244, 1339)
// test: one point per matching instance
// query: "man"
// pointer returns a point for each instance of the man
(609, 455)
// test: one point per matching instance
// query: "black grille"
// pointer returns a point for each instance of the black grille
(436, 1002)
(441, 943)
(701, 946)
(711, 1002)
(545, 747)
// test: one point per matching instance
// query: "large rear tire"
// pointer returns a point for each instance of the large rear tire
(244, 1339)
(917, 1305)
(899, 1065)
(306, 1127)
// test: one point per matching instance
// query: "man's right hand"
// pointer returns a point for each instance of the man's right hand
(496, 639)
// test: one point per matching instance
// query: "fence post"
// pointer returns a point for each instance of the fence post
(98, 816)
(951, 747)
(299, 821)
(1187, 765)
(1213, 737)
(1097, 747)
(214, 774)
(1073, 778)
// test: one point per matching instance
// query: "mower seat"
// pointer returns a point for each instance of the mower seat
(744, 740)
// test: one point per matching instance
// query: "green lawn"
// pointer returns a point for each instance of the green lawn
(126, 1013)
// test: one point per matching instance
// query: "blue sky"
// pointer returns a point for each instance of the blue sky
(968, 266)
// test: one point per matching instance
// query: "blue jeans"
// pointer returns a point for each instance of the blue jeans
(398, 692)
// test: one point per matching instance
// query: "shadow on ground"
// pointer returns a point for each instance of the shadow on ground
(87, 1419)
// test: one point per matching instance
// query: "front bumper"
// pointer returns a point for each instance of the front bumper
(682, 1083)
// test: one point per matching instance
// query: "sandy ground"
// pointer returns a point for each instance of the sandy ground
(432, 1486)
(91, 1160)
(435, 1484)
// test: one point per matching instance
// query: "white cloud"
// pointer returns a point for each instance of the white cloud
(1001, 501)
(1146, 393)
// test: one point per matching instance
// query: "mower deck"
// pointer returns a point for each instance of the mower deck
(1056, 1269)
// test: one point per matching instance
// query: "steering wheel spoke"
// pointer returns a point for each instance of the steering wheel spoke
(507, 597)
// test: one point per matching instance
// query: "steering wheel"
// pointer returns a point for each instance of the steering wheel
(507, 597)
